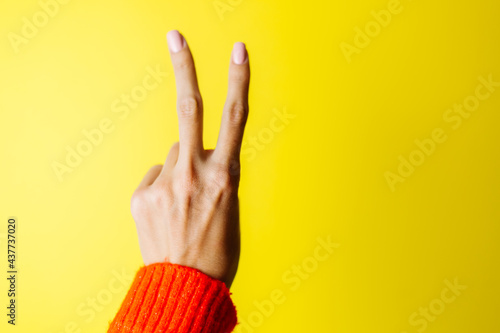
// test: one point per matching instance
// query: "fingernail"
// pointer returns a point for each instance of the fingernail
(239, 53)
(175, 41)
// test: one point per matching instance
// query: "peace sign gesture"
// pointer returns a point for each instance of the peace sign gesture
(186, 211)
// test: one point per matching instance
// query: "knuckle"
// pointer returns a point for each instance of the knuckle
(235, 169)
(185, 183)
(145, 201)
(189, 107)
(221, 179)
(239, 77)
(158, 196)
(183, 64)
(238, 113)
(137, 202)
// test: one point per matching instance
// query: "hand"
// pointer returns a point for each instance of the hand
(186, 211)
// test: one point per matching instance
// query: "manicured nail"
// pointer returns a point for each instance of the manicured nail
(175, 41)
(239, 53)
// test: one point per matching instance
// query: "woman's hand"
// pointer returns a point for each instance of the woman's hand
(186, 211)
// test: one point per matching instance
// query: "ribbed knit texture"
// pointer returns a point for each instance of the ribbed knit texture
(166, 297)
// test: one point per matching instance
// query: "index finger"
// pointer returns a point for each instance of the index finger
(189, 102)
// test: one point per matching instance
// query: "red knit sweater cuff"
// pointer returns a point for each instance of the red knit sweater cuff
(166, 297)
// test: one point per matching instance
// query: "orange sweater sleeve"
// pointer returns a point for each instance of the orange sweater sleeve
(166, 297)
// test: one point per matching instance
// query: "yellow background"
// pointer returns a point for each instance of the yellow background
(321, 175)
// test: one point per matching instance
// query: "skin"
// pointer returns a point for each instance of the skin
(186, 211)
